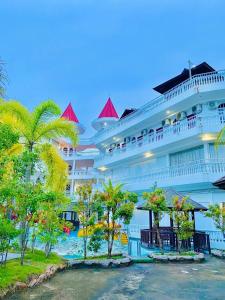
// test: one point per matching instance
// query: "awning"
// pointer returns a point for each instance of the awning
(184, 75)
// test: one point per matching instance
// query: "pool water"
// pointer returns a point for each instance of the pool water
(72, 247)
(204, 281)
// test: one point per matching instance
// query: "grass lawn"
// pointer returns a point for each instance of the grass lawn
(34, 263)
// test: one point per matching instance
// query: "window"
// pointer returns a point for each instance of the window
(221, 111)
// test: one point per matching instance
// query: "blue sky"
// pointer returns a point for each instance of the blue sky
(84, 51)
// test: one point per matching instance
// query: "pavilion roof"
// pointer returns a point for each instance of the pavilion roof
(220, 183)
(170, 193)
(184, 75)
(69, 114)
(127, 112)
(109, 110)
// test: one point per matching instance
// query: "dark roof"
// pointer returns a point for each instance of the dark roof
(220, 183)
(184, 75)
(170, 193)
(127, 112)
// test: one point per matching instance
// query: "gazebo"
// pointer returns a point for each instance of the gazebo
(199, 241)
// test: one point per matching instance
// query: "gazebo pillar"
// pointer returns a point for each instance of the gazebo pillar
(150, 225)
(193, 218)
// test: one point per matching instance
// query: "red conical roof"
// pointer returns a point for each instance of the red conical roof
(108, 110)
(69, 114)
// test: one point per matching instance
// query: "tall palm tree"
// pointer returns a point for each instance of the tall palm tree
(38, 126)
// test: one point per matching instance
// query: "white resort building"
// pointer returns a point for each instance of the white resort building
(168, 142)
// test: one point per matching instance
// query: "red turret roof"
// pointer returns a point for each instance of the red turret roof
(108, 110)
(69, 114)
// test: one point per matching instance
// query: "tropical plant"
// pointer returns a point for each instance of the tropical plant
(183, 225)
(118, 206)
(156, 202)
(35, 129)
(50, 226)
(217, 213)
(86, 209)
(8, 232)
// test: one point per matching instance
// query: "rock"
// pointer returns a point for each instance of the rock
(33, 283)
(20, 285)
(105, 263)
(218, 253)
(75, 263)
(177, 258)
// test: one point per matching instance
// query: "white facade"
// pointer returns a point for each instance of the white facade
(170, 141)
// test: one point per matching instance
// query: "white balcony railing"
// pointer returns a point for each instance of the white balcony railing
(213, 80)
(170, 134)
(84, 174)
(196, 171)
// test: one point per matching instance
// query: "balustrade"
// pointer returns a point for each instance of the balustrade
(195, 125)
(194, 83)
(202, 167)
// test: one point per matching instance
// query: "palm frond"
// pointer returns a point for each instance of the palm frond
(220, 139)
(43, 112)
(14, 150)
(57, 169)
(59, 128)
(17, 126)
(16, 110)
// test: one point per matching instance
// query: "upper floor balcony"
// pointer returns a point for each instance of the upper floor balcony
(202, 172)
(84, 174)
(190, 131)
(211, 85)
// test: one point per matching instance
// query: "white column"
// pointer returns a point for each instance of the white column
(72, 188)
(206, 152)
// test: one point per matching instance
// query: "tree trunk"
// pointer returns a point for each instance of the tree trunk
(33, 240)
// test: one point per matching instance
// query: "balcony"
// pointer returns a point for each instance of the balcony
(184, 130)
(86, 174)
(198, 172)
(203, 83)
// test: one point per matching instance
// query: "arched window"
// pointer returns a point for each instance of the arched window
(191, 121)
(159, 134)
(151, 135)
(176, 126)
(133, 140)
(71, 151)
(221, 111)
(65, 150)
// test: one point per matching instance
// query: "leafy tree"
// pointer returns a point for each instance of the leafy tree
(86, 208)
(118, 206)
(217, 213)
(183, 226)
(35, 129)
(8, 232)
(96, 239)
(50, 226)
(156, 202)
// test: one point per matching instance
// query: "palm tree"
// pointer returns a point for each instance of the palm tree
(35, 129)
